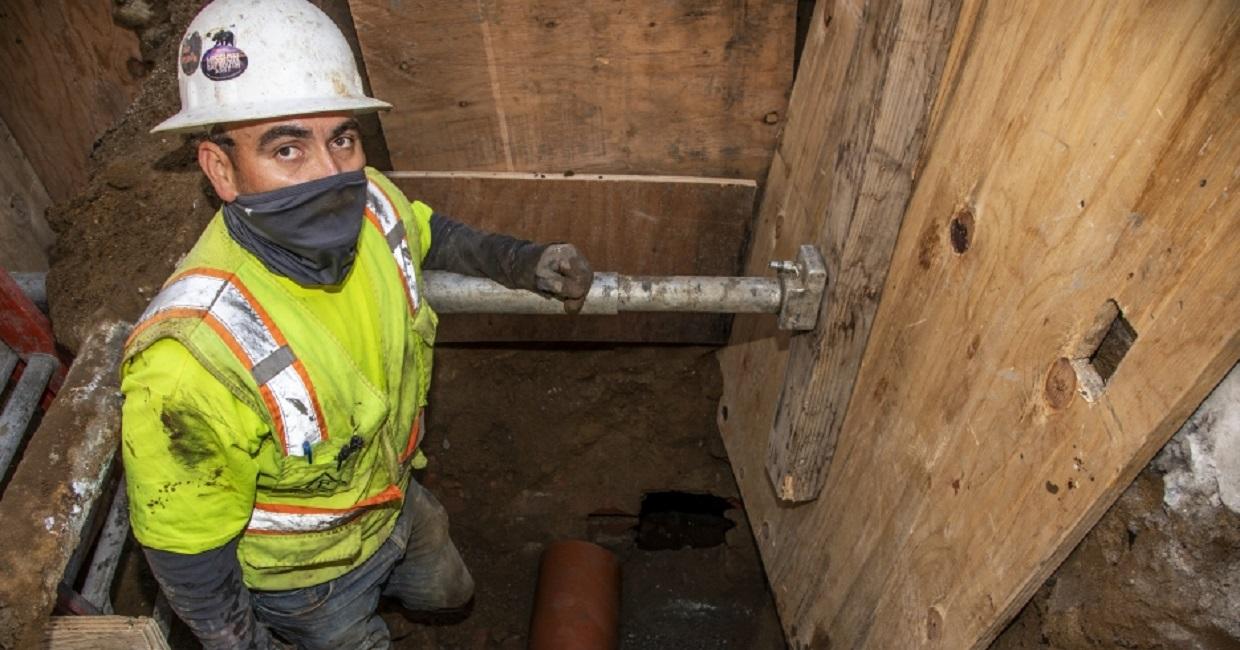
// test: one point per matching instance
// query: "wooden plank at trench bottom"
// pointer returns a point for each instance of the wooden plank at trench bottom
(103, 633)
(1080, 169)
(688, 87)
(635, 225)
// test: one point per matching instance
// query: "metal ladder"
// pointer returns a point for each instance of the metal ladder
(99, 551)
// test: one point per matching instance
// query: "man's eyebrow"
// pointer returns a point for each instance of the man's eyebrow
(280, 131)
(344, 127)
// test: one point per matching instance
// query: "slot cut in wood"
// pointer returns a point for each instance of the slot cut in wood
(1102, 350)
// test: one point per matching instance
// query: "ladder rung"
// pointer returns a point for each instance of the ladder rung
(22, 404)
(98, 585)
(8, 361)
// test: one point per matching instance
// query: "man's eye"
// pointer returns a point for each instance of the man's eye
(286, 153)
(344, 142)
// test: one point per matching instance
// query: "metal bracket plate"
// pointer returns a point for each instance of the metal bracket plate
(804, 284)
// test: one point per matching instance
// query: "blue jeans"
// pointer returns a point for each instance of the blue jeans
(417, 565)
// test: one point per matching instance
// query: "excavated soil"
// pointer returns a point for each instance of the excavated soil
(144, 207)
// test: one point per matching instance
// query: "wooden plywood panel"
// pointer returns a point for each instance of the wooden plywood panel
(635, 225)
(66, 81)
(1081, 159)
(685, 87)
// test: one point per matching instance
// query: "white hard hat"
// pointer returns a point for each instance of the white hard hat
(254, 59)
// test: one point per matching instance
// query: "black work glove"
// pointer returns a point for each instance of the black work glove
(562, 272)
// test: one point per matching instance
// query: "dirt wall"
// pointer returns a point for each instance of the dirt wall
(145, 204)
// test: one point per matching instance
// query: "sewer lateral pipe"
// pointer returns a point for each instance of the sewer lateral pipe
(611, 293)
(577, 604)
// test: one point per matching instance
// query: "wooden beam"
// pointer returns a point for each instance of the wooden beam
(637, 225)
(67, 80)
(1080, 167)
(858, 121)
(687, 87)
(50, 496)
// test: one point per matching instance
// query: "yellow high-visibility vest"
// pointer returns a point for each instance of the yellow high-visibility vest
(315, 517)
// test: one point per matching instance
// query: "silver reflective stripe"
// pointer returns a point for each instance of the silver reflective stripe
(271, 364)
(290, 522)
(242, 321)
(398, 242)
(189, 292)
(396, 235)
(275, 362)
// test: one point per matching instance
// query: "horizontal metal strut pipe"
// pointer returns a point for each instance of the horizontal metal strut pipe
(700, 294)
(450, 293)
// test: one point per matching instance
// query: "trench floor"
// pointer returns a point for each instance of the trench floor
(532, 445)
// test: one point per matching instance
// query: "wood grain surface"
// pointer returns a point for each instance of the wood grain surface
(103, 633)
(857, 124)
(687, 87)
(1078, 154)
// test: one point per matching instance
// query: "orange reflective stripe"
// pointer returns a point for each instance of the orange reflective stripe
(390, 493)
(287, 519)
(415, 433)
(168, 314)
(223, 302)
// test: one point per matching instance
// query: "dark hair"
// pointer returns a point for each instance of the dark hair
(219, 136)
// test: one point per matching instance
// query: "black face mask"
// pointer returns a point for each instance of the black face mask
(306, 232)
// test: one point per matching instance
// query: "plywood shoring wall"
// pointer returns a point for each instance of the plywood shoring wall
(683, 87)
(1080, 163)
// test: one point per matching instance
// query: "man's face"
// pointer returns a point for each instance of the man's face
(265, 155)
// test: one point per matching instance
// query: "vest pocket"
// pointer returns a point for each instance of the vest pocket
(339, 546)
(332, 467)
(425, 323)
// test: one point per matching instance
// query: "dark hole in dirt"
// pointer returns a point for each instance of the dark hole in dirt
(1115, 344)
(673, 520)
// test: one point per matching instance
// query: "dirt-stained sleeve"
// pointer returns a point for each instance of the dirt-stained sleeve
(461, 249)
(189, 449)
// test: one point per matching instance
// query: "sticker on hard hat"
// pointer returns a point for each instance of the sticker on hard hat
(224, 60)
(191, 52)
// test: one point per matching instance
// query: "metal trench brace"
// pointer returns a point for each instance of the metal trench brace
(795, 294)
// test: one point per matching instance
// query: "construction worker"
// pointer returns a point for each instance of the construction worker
(274, 388)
